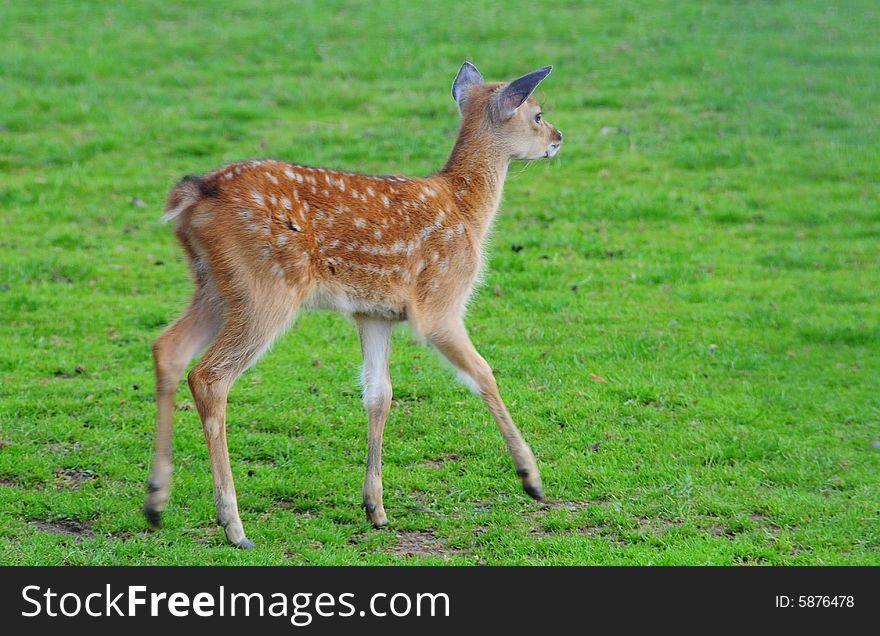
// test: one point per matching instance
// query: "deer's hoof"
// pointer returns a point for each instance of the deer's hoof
(376, 515)
(245, 544)
(154, 517)
(534, 491)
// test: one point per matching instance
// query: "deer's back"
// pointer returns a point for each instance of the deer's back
(356, 243)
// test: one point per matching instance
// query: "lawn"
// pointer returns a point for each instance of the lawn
(681, 308)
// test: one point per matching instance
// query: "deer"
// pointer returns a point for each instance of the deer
(265, 238)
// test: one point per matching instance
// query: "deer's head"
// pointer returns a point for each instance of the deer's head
(506, 113)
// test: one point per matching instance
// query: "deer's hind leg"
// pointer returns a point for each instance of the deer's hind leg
(172, 352)
(450, 337)
(250, 325)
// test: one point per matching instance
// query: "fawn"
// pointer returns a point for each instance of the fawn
(266, 237)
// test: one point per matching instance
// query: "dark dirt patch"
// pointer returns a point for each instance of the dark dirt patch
(298, 507)
(720, 530)
(63, 447)
(125, 535)
(4, 443)
(565, 505)
(590, 531)
(761, 521)
(544, 506)
(439, 461)
(609, 531)
(656, 525)
(207, 535)
(601, 531)
(69, 527)
(8, 480)
(73, 478)
(421, 543)
(67, 374)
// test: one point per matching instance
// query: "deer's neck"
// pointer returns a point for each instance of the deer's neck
(475, 173)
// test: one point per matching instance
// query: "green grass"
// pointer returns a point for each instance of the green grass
(712, 255)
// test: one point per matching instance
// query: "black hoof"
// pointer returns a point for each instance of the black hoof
(245, 544)
(535, 492)
(154, 517)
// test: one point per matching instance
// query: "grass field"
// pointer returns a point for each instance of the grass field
(689, 336)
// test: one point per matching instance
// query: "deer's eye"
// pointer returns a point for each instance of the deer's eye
(538, 118)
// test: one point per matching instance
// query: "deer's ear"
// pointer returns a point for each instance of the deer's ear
(468, 75)
(514, 94)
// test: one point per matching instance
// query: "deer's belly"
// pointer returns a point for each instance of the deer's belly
(351, 301)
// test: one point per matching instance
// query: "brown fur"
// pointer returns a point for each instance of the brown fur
(267, 237)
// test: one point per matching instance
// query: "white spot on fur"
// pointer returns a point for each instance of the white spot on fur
(285, 203)
(258, 198)
(271, 177)
(377, 233)
(385, 201)
(360, 223)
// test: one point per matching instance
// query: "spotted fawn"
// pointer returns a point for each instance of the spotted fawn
(265, 238)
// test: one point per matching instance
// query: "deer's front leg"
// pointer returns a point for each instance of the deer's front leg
(375, 335)
(452, 340)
